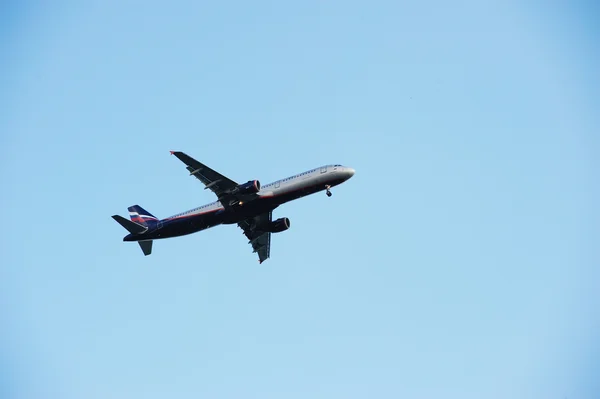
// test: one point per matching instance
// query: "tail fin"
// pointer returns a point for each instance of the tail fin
(141, 216)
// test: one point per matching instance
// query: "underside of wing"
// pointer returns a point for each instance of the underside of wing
(212, 179)
(260, 240)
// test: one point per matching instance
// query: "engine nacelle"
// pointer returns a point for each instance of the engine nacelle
(250, 187)
(279, 225)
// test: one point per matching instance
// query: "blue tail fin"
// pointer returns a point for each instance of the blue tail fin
(141, 216)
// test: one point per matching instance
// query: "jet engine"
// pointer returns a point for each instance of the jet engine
(277, 226)
(250, 187)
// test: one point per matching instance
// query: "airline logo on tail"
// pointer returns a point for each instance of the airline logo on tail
(141, 216)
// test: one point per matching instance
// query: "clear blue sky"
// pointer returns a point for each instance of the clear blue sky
(461, 261)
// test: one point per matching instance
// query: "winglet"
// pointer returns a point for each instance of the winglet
(172, 152)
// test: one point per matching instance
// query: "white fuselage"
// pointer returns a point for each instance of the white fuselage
(320, 178)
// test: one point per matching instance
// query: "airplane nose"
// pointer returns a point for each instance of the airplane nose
(350, 172)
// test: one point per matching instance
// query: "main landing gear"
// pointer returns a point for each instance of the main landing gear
(328, 192)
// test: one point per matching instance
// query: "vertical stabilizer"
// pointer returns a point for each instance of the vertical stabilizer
(141, 216)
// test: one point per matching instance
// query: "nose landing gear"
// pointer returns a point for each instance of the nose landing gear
(328, 192)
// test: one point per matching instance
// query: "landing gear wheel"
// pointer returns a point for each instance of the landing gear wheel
(328, 192)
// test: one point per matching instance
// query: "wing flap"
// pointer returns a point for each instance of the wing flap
(212, 179)
(259, 240)
(223, 187)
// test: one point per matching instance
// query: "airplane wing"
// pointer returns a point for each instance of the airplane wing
(260, 241)
(213, 180)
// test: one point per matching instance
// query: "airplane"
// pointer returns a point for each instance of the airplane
(249, 205)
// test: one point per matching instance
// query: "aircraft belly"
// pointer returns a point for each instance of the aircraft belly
(293, 194)
(186, 225)
(248, 210)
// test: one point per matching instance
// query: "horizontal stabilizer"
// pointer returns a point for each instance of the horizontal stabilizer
(132, 227)
(146, 247)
